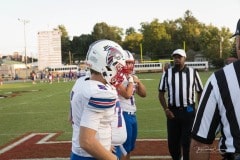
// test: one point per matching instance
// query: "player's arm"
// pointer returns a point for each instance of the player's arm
(127, 91)
(162, 100)
(161, 92)
(199, 151)
(91, 145)
(140, 88)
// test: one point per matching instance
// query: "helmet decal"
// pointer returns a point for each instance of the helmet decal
(113, 53)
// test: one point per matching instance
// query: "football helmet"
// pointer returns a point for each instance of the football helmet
(107, 58)
(129, 62)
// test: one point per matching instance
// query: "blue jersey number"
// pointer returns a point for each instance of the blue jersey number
(118, 108)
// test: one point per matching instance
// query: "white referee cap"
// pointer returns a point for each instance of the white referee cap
(180, 52)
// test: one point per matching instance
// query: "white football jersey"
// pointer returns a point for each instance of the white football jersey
(119, 132)
(92, 106)
(128, 105)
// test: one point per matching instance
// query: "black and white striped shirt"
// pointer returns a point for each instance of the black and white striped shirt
(219, 109)
(181, 86)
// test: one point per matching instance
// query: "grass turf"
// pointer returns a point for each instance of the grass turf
(43, 107)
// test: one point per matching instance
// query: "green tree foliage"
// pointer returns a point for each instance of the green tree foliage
(130, 30)
(104, 31)
(154, 33)
(80, 46)
(189, 30)
(233, 52)
(65, 44)
(132, 42)
(158, 39)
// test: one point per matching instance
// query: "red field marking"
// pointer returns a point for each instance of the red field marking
(44, 145)
(36, 145)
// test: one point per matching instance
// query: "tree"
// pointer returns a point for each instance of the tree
(158, 39)
(104, 31)
(65, 44)
(129, 31)
(154, 38)
(188, 30)
(233, 52)
(132, 42)
(80, 45)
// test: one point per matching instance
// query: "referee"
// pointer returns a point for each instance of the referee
(219, 111)
(181, 83)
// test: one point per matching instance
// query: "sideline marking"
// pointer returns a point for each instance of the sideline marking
(44, 146)
(49, 136)
(46, 142)
(9, 147)
(24, 139)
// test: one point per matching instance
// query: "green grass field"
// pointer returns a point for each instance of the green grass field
(43, 107)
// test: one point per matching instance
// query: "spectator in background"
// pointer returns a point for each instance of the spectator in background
(50, 77)
(1, 80)
(33, 77)
(58, 77)
(180, 82)
(64, 77)
(46, 77)
(16, 77)
(218, 111)
(78, 73)
(70, 75)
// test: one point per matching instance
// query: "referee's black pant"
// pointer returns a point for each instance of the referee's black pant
(179, 132)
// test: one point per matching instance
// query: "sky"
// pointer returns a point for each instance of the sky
(80, 16)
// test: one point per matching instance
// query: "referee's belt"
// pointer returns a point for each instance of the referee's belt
(129, 113)
(189, 107)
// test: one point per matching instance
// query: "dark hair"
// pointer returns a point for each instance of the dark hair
(93, 71)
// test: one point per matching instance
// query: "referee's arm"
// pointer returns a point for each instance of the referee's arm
(161, 91)
(168, 112)
(161, 97)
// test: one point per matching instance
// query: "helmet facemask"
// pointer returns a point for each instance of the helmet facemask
(114, 72)
(114, 75)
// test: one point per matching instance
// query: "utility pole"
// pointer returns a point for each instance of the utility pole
(220, 47)
(141, 52)
(24, 21)
(70, 57)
